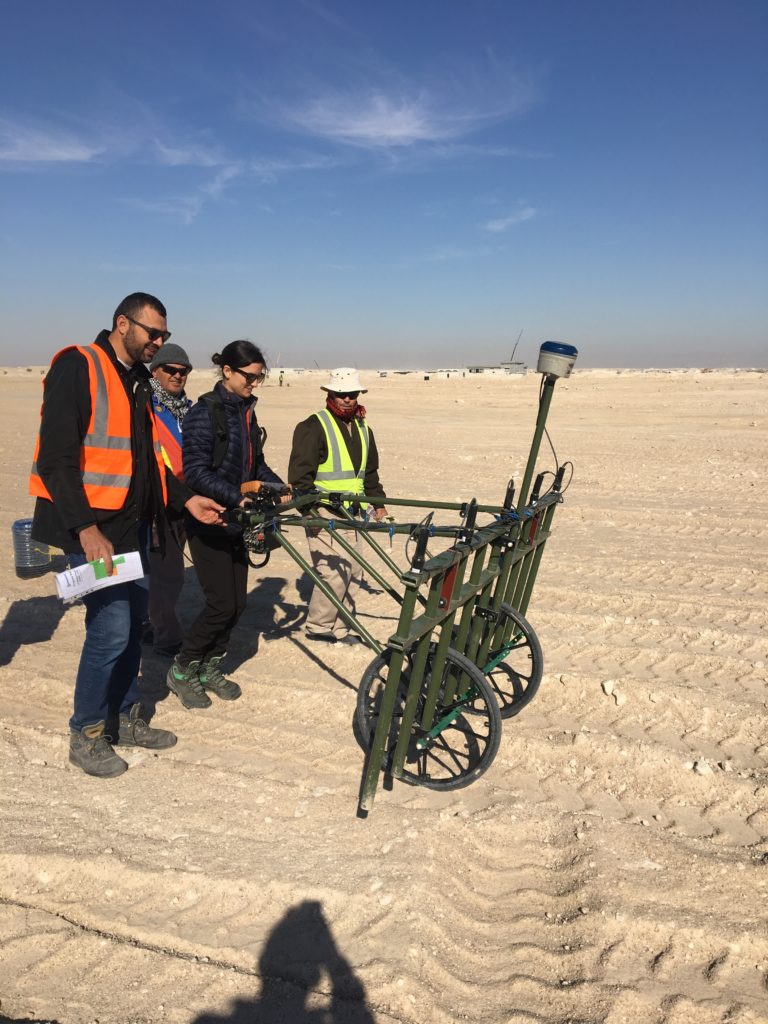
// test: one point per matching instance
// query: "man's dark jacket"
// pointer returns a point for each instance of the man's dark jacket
(64, 424)
(310, 450)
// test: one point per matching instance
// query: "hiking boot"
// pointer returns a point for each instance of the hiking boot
(211, 678)
(133, 731)
(91, 750)
(183, 681)
(325, 638)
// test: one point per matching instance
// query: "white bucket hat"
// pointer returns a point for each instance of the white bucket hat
(346, 378)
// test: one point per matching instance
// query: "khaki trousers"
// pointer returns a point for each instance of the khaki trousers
(335, 568)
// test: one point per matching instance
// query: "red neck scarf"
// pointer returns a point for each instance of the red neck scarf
(357, 411)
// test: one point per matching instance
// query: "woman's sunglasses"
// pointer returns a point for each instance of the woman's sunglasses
(251, 378)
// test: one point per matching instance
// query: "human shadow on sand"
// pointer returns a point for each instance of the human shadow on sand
(31, 621)
(300, 964)
(267, 614)
(26, 1020)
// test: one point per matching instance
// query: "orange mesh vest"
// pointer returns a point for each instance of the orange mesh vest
(106, 460)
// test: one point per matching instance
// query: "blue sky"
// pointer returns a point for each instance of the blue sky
(400, 183)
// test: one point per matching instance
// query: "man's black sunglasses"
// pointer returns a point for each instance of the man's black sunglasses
(347, 394)
(251, 378)
(152, 332)
(174, 371)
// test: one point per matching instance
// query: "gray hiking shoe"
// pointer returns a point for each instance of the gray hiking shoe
(183, 681)
(211, 678)
(91, 750)
(134, 732)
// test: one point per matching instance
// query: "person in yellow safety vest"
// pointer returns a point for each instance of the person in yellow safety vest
(335, 450)
(101, 482)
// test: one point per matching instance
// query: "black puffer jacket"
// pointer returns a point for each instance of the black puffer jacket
(243, 459)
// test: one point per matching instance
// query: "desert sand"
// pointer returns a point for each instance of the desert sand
(610, 867)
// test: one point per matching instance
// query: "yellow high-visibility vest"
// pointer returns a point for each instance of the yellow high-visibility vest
(337, 472)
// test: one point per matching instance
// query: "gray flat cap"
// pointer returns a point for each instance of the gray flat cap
(170, 353)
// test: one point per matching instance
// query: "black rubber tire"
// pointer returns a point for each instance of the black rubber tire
(517, 678)
(463, 751)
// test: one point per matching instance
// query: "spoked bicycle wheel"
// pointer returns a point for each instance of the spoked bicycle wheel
(514, 668)
(462, 738)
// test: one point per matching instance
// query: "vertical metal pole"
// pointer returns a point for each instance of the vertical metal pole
(394, 671)
(462, 635)
(543, 529)
(544, 403)
(416, 684)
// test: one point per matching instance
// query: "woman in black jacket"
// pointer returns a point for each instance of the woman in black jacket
(217, 466)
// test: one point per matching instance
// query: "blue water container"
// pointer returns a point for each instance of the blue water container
(31, 557)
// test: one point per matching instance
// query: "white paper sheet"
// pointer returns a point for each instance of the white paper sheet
(83, 579)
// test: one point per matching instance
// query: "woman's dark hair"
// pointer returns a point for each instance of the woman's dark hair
(237, 354)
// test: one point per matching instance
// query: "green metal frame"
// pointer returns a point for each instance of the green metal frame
(487, 566)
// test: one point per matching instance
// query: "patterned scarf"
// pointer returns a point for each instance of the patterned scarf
(346, 415)
(177, 405)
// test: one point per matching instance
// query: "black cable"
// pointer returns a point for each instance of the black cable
(554, 453)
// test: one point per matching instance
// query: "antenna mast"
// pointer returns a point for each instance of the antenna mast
(512, 357)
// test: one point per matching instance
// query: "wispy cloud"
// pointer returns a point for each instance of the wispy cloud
(183, 155)
(268, 170)
(216, 187)
(181, 208)
(377, 120)
(25, 144)
(501, 224)
(407, 116)
(322, 12)
(185, 208)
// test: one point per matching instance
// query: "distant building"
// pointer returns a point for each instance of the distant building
(501, 370)
(514, 367)
(486, 371)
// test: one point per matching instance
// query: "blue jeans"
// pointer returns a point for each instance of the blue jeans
(107, 681)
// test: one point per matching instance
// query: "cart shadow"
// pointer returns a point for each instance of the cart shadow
(270, 615)
(301, 962)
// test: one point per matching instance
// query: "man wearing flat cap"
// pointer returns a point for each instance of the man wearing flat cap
(170, 368)
(335, 450)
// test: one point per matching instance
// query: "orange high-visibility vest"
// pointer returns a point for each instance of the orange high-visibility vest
(106, 459)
